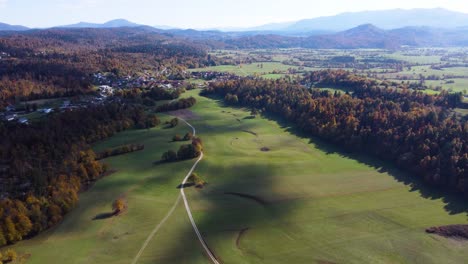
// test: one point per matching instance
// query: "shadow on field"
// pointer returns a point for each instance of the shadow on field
(186, 185)
(103, 216)
(239, 198)
(454, 203)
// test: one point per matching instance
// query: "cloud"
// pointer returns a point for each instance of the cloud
(3, 3)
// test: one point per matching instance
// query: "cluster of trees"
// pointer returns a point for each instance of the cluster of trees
(195, 179)
(363, 87)
(119, 151)
(173, 122)
(180, 104)
(185, 152)
(419, 136)
(187, 137)
(44, 165)
(8, 256)
(158, 94)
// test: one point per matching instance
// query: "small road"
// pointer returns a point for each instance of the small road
(187, 208)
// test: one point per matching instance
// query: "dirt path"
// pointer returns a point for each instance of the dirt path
(155, 230)
(187, 208)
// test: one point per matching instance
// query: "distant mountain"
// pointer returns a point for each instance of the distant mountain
(386, 19)
(7, 27)
(110, 24)
(363, 36)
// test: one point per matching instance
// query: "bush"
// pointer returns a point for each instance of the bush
(177, 138)
(196, 180)
(174, 122)
(118, 206)
(188, 136)
(169, 156)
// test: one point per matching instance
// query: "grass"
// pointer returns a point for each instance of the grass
(319, 205)
(252, 69)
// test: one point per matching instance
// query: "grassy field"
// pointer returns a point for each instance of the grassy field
(252, 69)
(301, 201)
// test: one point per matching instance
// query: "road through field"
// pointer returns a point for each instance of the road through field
(187, 208)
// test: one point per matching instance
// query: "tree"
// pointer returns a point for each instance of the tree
(10, 256)
(196, 180)
(177, 138)
(174, 122)
(254, 112)
(188, 136)
(118, 206)
(169, 156)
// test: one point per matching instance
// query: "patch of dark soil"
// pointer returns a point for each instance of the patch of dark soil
(452, 231)
(239, 236)
(248, 196)
(249, 117)
(250, 132)
(265, 149)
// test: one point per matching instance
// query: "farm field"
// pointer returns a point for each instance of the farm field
(264, 69)
(272, 197)
(438, 69)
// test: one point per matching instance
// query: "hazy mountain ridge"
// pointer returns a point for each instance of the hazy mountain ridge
(386, 19)
(116, 23)
(8, 27)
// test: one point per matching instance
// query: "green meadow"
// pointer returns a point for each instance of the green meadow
(272, 196)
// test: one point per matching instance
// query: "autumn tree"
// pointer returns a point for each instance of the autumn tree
(118, 206)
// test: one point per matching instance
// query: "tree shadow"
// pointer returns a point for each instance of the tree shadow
(186, 185)
(242, 198)
(454, 202)
(103, 216)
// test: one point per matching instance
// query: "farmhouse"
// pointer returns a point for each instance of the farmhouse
(10, 108)
(106, 90)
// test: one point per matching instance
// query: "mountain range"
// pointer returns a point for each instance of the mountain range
(385, 19)
(416, 28)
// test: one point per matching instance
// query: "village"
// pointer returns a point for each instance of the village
(105, 87)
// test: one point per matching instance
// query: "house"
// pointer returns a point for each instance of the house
(11, 117)
(23, 120)
(10, 108)
(106, 90)
(46, 110)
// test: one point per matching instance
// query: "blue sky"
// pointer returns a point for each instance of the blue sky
(195, 13)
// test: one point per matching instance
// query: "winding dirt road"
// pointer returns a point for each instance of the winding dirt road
(187, 208)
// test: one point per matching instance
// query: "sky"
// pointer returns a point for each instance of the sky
(199, 14)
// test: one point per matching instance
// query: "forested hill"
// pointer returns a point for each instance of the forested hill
(54, 62)
(410, 129)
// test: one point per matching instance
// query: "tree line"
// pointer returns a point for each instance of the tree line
(120, 150)
(44, 165)
(417, 133)
(183, 103)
